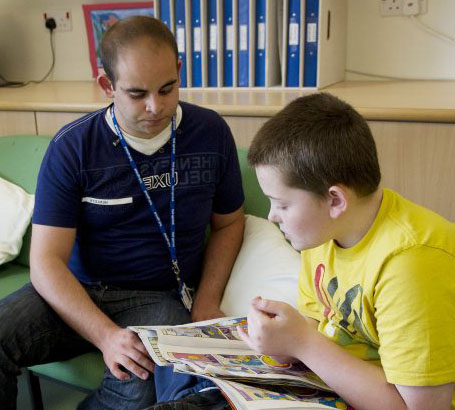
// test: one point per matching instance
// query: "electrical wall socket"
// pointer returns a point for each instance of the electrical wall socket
(391, 7)
(62, 19)
(403, 7)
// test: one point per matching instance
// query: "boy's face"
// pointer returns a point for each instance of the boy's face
(303, 217)
(146, 91)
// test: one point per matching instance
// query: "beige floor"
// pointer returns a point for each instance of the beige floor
(55, 396)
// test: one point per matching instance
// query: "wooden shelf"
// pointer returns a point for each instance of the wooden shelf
(422, 101)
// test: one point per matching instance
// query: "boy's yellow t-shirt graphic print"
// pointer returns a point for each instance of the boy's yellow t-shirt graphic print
(389, 298)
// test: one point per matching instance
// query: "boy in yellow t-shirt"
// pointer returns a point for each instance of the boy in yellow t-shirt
(376, 300)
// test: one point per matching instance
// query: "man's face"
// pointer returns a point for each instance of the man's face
(301, 215)
(146, 91)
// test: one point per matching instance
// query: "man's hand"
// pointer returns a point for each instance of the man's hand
(274, 328)
(123, 349)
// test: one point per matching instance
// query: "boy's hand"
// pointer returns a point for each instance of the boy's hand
(274, 328)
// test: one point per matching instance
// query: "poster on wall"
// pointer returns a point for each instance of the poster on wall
(99, 17)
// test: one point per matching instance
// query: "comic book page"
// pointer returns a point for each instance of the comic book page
(247, 367)
(219, 333)
(251, 397)
(213, 349)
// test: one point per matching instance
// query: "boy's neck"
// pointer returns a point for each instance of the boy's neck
(358, 219)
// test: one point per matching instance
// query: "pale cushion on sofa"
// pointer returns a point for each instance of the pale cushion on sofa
(16, 207)
(266, 266)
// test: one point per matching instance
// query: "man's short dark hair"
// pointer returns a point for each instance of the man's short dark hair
(124, 32)
(318, 141)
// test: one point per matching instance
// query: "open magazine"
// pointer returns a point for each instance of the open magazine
(213, 349)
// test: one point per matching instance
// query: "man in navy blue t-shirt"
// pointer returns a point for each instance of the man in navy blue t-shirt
(123, 200)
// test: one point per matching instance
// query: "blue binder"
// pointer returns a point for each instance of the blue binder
(180, 36)
(293, 46)
(228, 44)
(212, 64)
(243, 44)
(260, 39)
(310, 57)
(196, 44)
(165, 13)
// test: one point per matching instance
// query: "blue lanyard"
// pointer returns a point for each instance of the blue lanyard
(170, 243)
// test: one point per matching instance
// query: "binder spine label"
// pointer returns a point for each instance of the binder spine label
(180, 37)
(230, 37)
(213, 37)
(312, 33)
(197, 39)
(243, 37)
(261, 36)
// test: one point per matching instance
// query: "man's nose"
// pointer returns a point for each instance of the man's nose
(154, 105)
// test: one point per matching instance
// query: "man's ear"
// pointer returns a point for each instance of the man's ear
(338, 201)
(106, 85)
(179, 67)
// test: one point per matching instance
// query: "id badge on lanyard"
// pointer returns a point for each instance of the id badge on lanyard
(184, 291)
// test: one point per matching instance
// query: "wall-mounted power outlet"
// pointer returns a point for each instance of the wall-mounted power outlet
(62, 19)
(403, 7)
(391, 7)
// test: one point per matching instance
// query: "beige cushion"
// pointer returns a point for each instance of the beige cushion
(16, 207)
(266, 266)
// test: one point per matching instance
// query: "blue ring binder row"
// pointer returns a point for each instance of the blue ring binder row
(258, 43)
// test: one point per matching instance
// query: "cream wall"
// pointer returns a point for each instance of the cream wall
(391, 46)
(396, 47)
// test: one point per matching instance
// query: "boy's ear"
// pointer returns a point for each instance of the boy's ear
(338, 201)
(106, 85)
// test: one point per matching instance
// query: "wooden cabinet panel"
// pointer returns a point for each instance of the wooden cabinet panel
(417, 160)
(17, 122)
(244, 128)
(48, 123)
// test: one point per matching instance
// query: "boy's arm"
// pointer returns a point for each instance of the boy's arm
(222, 249)
(50, 251)
(363, 385)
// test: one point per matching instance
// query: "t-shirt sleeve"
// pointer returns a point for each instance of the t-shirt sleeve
(57, 200)
(229, 193)
(415, 314)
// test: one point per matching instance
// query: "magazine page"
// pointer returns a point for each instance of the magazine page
(251, 368)
(222, 360)
(219, 333)
(251, 397)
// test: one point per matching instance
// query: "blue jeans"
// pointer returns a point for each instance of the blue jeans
(32, 333)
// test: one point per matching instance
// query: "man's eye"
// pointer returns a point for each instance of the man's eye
(137, 96)
(165, 91)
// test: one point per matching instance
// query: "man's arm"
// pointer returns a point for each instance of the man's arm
(50, 251)
(275, 328)
(222, 249)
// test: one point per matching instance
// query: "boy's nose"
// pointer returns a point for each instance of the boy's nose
(272, 216)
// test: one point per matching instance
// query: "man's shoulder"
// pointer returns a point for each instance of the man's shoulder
(198, 113)
(82, 127)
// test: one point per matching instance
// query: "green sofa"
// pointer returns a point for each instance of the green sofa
(20, 158)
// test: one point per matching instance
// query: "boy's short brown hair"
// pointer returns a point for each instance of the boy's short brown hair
(318, 141)
(124, 32)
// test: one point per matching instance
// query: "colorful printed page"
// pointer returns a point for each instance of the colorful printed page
(251, 397)
(247, 367)
(215, 333)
